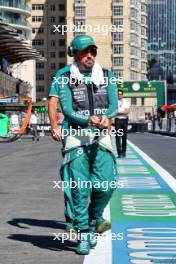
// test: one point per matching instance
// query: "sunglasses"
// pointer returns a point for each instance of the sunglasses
(92, 50)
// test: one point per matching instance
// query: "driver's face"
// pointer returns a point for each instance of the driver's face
(86, 58)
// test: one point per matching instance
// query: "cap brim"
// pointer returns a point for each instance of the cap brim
(85, 47)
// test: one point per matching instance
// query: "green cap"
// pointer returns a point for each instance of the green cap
(80, 43)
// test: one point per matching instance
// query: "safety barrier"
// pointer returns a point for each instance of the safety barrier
(164, 126)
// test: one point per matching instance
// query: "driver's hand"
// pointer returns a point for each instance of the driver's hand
(105, 123)
(56, 133)
(94, 121)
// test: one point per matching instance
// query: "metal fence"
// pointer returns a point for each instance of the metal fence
(140, 113)
(167, 125)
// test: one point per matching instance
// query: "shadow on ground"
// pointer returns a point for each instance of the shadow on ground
(45, 242)
(18, 222)
(54, 243)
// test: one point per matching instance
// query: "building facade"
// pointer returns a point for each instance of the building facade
(124, 49)
(17, 50)
(16, 13)
(162, 36)
(51, 45)
(119, 28)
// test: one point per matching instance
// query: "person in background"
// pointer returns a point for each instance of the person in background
(160, 116)
(14, 123)
(33, 126)
(121, 122)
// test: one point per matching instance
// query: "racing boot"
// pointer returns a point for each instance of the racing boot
(93, 235)
(102, 225)
(83, 246)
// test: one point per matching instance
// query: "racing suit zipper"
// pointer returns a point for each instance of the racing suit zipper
(90, 98)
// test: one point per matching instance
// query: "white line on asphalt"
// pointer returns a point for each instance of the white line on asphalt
(102, 254)
(159, 135)
(167, 177)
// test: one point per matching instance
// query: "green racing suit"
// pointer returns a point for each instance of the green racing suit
(89, 166)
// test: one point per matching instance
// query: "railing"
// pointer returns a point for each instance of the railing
(11, 20)
(166, 125)
(138, 113)
(15, 5)
(8, 86)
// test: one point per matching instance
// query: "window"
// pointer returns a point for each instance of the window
(117, 21)
(134, 38)
(133, 25)
(80, 22)
(117, 1)
(79, 1)
(153, 46)
(143, 77)
(117, 11)
(143, 8)
(61, 42)
(143, 31)
(37, 42)
(42, 52)
(53, 66)
(143, 20)
(52, 19)
(117, 36)
(118, 49)
(37, 19)
(143, 43)
(80, 25)
(117, 61)
(40, 88)
(143, 66)
(52, 8)
(52, 54)
(61, 19)
(37, 7)
(53, 31)
(134, 2)
(61, 31)
(134, 13)
(134, 63)
(78, 33)
(133, 99)
(40, 65)
(53, 43)
(80, 11)
(38, 30)
(143, 55)
(134, 51)
(40, 77)
(118, 73)
(61, 7)
(134, 76)
(61, 54)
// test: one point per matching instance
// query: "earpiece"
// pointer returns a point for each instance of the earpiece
(70, 51)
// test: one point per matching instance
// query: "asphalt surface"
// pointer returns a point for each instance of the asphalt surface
(161, 149)
(31, 211)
